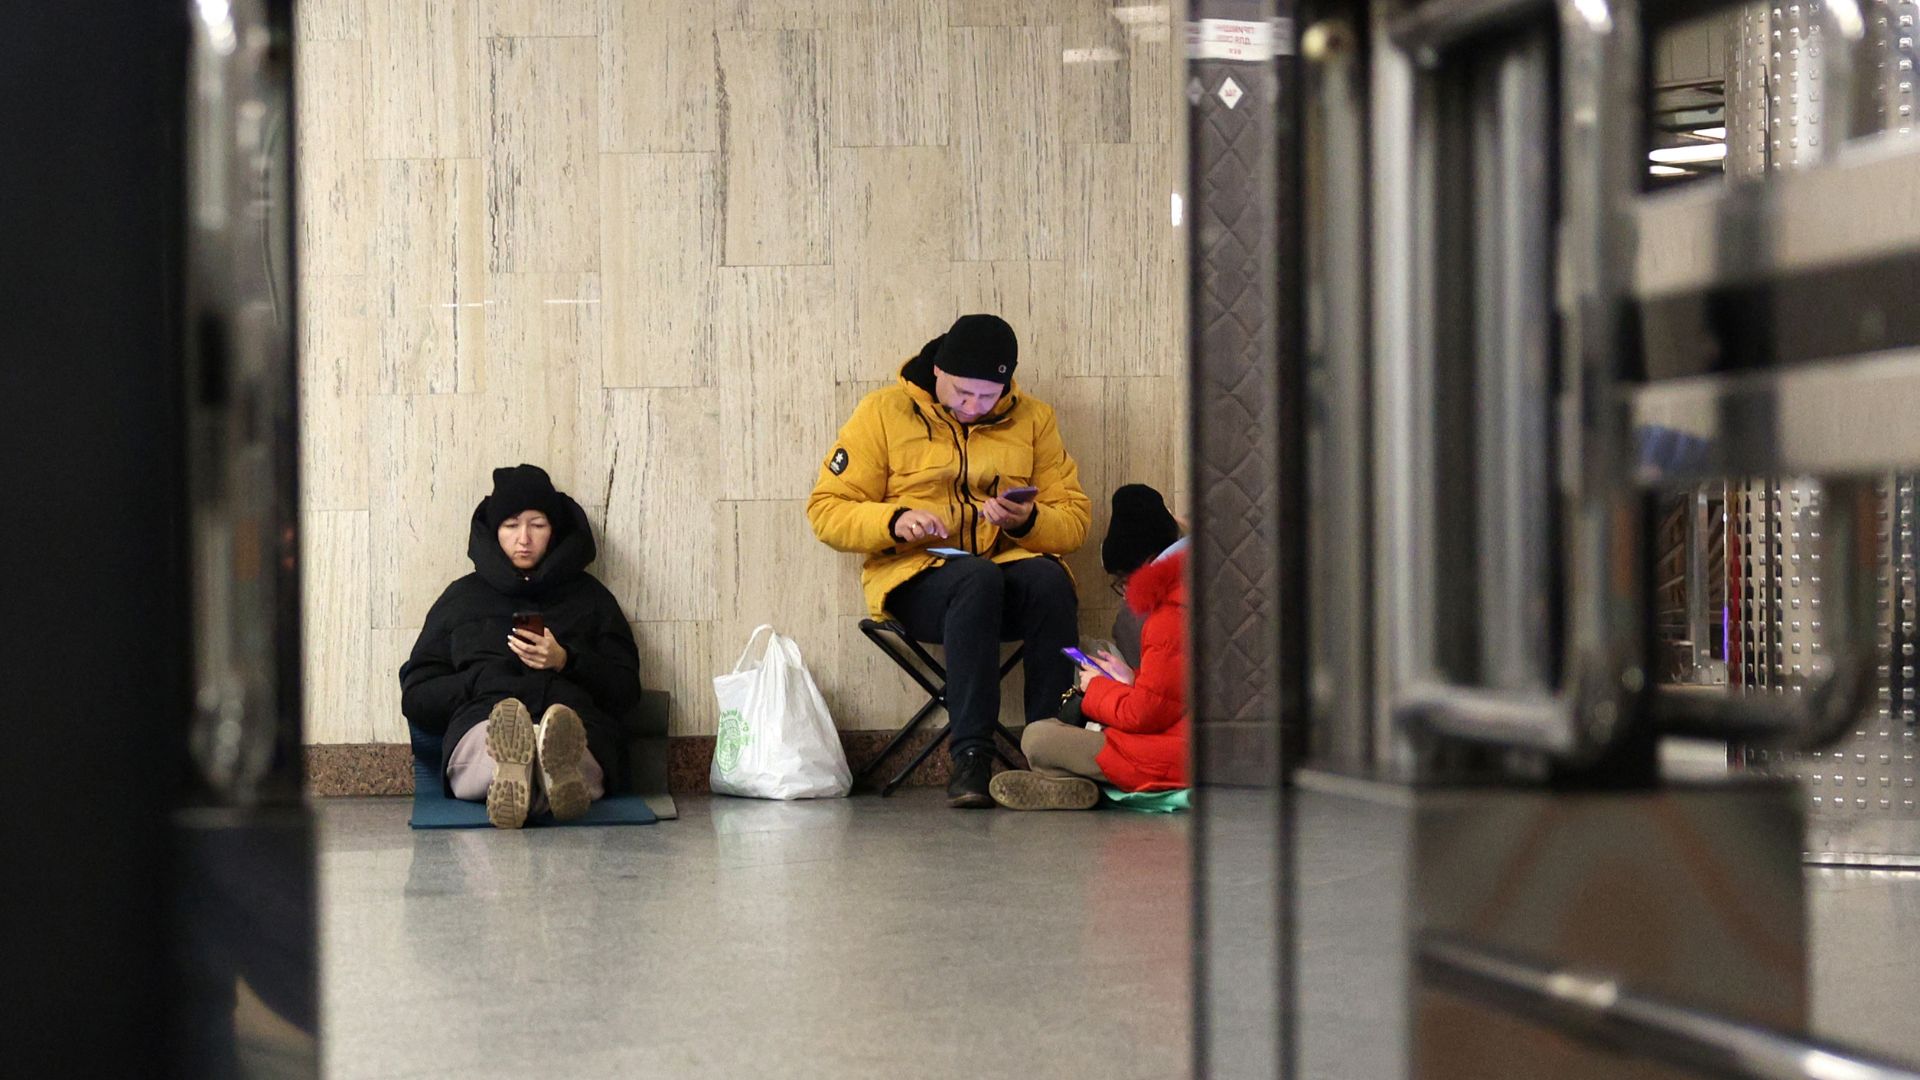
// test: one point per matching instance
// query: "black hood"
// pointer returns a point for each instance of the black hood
(919, 370)
(571, 552)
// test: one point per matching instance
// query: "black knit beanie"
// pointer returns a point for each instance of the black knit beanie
(522, 487)
(979, 347)
(1142, 527)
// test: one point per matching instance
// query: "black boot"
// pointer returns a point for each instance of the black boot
(968, 788)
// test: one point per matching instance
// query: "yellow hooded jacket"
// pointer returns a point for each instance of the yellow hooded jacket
(902, 451)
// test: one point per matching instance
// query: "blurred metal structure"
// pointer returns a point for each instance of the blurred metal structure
(160, 893)
(1543, 386)
(1860, 793)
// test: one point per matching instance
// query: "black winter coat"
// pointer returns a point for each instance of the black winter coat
(461, 667)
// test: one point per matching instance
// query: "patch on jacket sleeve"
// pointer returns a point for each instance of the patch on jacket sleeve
(838, 464)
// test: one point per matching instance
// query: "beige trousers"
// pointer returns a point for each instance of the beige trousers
(1058, 749)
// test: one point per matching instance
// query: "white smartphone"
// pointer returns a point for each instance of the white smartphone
(950, 553)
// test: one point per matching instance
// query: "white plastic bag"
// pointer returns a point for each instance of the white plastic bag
(776, 739)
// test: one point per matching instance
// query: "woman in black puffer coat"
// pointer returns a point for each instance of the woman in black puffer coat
(480, 681)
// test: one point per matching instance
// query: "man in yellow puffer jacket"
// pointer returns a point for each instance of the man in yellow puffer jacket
(928, 463)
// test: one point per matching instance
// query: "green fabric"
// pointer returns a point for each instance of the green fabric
(1149, 802)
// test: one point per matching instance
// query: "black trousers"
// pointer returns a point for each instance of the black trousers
(972, 605)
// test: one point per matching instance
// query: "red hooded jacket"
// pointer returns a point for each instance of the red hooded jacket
(1146, 723)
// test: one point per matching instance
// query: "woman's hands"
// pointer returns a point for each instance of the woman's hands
(541, 653)
(1116, 669)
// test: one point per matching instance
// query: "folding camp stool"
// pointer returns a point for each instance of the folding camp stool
(889, 636)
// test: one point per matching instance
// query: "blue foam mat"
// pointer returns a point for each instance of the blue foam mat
(433, 809)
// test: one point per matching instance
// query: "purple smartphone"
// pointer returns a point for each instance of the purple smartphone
(1020, 494)
(1079, 657)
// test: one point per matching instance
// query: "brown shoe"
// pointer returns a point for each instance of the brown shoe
(563, 743)
(1018, 789)
(510, 743)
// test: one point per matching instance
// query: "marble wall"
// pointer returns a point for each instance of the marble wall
(662, 248)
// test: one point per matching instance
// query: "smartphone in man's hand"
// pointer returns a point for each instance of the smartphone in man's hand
(1021, 495)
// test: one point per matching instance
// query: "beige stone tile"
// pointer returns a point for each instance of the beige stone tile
(540, 18)
(1033, 298)
(1096, 619)
(591, 481)
(1096, 79)
(425, 78)
(430, 462)
(333, 549)
(1182, 437)
(543, 345)
(1152, 91)
(774, 146)
(775, 354)
(543, 179)
(329, 20)
(773, 14)
(330, 141)
(387, 651)
(660, 550)
(772, 570)
(1080, 408)
(1122, 273)
(1143, 431)
(887, 312)
(1009, 12)
(893, 229)
(893, 205)
(339, 350)
(867, 691)
(678, 657)
(430, 284)
(1007, 144)
(333, 452)
(659, 70)
(660, 244)
(888, 62)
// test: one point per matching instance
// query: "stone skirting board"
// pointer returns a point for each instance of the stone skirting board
(386, 769)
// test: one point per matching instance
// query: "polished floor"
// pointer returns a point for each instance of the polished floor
(865, 938)
(891, 938)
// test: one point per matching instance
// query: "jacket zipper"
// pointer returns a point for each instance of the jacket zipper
(961, 435)
(960, 488)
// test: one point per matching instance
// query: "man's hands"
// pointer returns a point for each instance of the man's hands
(916, 525)
(540, 653)
(1006, 513)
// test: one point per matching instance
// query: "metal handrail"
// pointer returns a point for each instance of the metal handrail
(1597, 1010)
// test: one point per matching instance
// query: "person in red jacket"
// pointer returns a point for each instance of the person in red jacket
(1141, 743)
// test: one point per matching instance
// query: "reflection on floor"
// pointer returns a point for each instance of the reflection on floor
(891, 938)
(1865, 945)
(846, 939)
